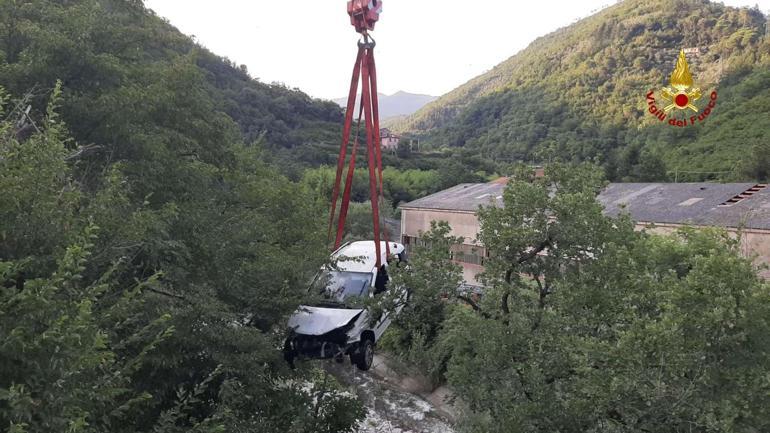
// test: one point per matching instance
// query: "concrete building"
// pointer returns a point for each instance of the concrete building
(658, 207)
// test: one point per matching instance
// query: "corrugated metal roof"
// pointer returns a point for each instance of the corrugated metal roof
(677, 203)
(463, 197)
(673, 203)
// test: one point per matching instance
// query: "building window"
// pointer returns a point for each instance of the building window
(464, 253)
(412, 241)
(469, 254)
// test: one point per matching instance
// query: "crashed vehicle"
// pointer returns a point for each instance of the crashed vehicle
(338, 325)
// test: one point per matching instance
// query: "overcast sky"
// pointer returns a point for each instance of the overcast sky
(422, 46)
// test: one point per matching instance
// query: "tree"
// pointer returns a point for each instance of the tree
(587, 325)
(170, 319)
(431, 279)
(58, 367)
(404, 149)
(757, 167)
(453, 172)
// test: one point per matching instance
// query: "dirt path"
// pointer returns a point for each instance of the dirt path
(391, 407)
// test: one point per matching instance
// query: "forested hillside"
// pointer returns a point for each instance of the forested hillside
(114, 57)
(578, 94)
(149, 254)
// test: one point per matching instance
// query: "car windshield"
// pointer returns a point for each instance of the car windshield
(341, 285)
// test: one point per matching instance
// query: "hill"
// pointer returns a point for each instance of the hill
(579, 94)
(112, 59)
(397, 104)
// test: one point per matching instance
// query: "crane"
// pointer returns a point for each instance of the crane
(364, 14)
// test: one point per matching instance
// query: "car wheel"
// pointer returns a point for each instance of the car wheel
(364, 356)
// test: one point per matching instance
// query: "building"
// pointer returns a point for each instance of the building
(657, 207)
(694, 51)
(388, 139)
(457, 206)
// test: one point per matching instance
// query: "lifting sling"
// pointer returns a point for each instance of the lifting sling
(363, 16)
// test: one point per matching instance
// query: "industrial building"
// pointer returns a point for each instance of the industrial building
(656, 207)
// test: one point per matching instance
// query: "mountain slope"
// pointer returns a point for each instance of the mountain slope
(579, 92)
(397, 104)
(116, 59)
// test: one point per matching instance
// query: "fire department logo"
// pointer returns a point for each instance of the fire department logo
(681, 94)
(680, 97)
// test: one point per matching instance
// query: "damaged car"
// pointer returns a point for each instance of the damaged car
(339, 325)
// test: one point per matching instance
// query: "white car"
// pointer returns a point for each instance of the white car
(334, 328)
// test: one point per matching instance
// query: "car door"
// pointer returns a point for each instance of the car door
(382, 324)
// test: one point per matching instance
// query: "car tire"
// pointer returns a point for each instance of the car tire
(363, 357)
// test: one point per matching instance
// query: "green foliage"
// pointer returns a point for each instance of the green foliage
(398, 185)
(431, 279)
(732, 139)
(60, 369)
(757, 166)
(170, 319)
(140, 89)
(359, 224)
(34, 213)
(587, 325)
(452, 172)
(401, 185)
(59, 372)
(578, 94)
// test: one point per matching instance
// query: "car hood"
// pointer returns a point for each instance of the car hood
(320, 320)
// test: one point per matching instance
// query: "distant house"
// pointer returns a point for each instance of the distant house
(694, 51)
(656, 207)
(389, 140)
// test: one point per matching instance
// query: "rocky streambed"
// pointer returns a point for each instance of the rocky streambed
(396, 402)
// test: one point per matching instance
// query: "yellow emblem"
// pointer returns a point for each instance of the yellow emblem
(678, 94)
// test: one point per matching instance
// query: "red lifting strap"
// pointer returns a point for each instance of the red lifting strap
(377, 139)
(348, 183)
(365, 67)
(345, 135)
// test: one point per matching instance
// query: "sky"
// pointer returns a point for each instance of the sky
(422, 46)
